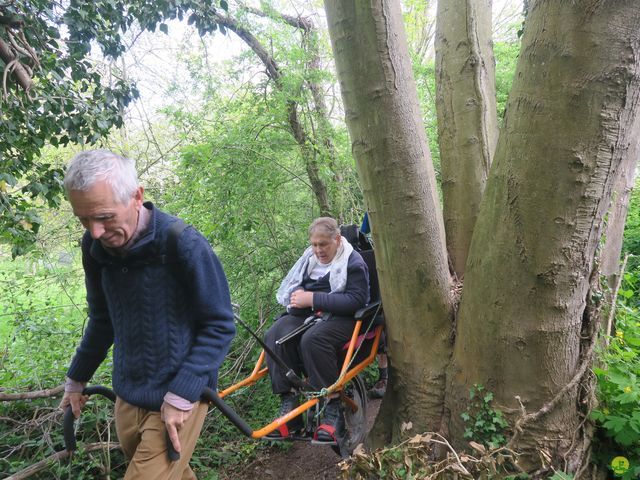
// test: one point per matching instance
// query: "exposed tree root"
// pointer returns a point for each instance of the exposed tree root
(580, 448)
(527, 418)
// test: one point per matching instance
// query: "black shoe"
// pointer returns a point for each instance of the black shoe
(332, 423)
(288, 402)
(379, 389)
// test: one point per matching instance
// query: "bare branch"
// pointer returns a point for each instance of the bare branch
(17, 69)
(56, 457)
(296, 22)
(46, 393)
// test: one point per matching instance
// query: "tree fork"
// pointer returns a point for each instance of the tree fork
(570, 121)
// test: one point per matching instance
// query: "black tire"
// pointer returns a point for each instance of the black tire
(355, 422)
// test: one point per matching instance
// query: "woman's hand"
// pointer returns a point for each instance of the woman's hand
(301, 299)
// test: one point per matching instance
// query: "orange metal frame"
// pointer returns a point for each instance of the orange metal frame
(346, 374)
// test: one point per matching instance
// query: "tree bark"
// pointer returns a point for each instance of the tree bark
(610, 258)
(467, 116)
(17, 70)
(391, 152)
(570, 120)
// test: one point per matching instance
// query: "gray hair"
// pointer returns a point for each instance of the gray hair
(324, 226)
(91, 166)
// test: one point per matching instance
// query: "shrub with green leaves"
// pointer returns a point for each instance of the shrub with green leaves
(617, 416)
(483, 423)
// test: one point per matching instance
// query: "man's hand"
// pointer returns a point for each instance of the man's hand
(301, 299)
(76, 400)
(173, 419)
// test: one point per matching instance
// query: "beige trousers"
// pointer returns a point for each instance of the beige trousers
(142, 436)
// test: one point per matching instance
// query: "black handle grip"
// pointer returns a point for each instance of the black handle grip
(69, 435)
(67, 429)
(67, 424)
(212, 396)
(171, 452)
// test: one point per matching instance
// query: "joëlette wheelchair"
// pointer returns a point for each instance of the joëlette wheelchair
(356, 355)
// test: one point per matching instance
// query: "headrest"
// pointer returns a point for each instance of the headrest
(355, 237)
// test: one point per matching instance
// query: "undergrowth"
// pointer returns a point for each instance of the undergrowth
(617, 416)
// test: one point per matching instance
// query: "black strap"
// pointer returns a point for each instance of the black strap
(169, 255)
(173, 234)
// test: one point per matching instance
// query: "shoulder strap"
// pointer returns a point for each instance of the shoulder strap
(173, 234)
(166, 256)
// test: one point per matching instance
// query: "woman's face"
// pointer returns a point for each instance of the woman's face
(324, 247)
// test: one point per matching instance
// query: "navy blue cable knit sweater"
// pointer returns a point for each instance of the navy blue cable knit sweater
(171, 325)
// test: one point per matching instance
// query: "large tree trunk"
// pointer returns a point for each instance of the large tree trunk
(467, 116)
(390, 147)
(571, 112)
(610, 257)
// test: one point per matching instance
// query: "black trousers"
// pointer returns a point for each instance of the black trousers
(314, 353)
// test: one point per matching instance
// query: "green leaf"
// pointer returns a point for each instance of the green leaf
(561, 476)
(616, 424)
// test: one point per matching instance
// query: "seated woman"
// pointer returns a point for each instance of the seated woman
(330, 277)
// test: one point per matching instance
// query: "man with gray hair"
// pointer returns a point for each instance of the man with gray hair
(157, 292)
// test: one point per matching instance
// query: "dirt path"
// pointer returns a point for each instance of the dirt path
(303, 461)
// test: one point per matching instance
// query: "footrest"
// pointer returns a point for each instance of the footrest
(318, 442)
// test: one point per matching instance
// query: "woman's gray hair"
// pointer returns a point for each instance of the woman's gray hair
(87, 168)
(324, 226)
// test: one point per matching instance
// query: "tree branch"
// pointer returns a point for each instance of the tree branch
(296, 22)
(298, 130)
(17, 69)
(56, 457)
(49, 392)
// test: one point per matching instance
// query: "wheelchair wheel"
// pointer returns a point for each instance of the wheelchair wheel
(355, 422)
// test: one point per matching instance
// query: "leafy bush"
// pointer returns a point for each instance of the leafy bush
(618, 417)
(482, 422)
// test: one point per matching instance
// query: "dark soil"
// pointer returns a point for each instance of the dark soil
(303, 461)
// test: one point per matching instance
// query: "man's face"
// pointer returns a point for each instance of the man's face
(108, 220)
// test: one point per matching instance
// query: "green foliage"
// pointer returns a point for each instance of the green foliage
(68, 102)
(42, 310)
(33, 430)
(482, 422)
(561, 476)
(425, 76)
(617, 415)
(506, 55)
(631, 240)
(243, 181)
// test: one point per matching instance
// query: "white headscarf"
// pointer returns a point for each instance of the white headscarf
(337, 271)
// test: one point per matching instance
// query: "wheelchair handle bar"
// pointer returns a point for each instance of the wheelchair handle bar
(68, 432)
(211, 396)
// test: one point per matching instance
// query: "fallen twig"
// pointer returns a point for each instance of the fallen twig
(56, 457)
